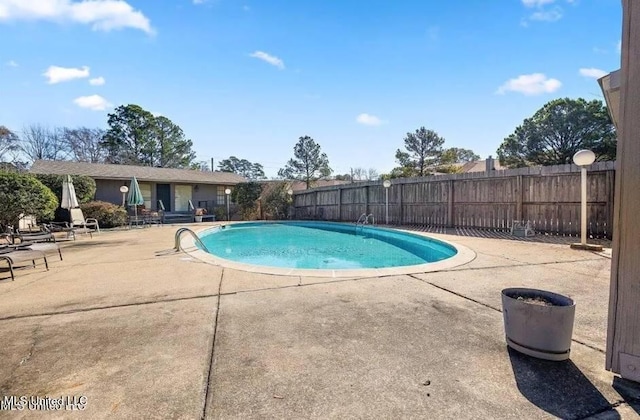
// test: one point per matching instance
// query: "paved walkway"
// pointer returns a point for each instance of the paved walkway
(143, 332)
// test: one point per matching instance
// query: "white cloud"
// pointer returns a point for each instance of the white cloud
(97, 81)
(93, 102)
(619, 47)
(57, 74)
(367, 119)
(551, 15)
(102, 15)
(530, 84)
(12, 63)
(536, 3)
(592, 73)
(271, 59)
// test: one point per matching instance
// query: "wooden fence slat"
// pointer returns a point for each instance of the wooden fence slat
(548, 197)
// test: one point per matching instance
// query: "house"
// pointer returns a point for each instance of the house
(173, 187)
(295, 185)
(487, 165)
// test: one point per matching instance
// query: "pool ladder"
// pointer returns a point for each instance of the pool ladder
(364, 220)
(179, 233)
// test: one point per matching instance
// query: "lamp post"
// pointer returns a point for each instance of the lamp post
(386, 184)
(584, 158)
(227, 192)
(124, 190)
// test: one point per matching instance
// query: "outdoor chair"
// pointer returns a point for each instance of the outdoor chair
(79, 222)
(521, 229)
(13, 256)
(43, 241)
(70, 231)
(151, 217)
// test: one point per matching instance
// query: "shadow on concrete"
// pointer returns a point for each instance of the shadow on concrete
(504, 234)
(559, 388)
(629, 391)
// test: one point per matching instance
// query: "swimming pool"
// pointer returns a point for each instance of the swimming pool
(323, 245)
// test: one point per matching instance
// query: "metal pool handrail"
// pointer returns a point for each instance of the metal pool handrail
(179, 233)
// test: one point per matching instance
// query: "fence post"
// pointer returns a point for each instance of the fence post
(401, 205)
(519, 194)
(339, 204)
(450, 203)
(366, 199)
(315, 205)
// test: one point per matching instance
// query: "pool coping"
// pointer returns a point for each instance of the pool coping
(464, 255)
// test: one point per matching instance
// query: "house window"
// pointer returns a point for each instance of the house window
(145, 189)
(221, 198)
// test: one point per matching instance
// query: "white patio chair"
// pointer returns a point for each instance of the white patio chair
(78, 222)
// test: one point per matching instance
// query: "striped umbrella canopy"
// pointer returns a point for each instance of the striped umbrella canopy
(134, 198)
(69, 199)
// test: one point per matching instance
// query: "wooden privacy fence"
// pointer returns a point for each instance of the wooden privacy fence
(548, 197)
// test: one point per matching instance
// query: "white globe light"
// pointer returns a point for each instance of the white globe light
(290, 191)
(584, 157)
(124, 189)
(227, 191)
(386, 183)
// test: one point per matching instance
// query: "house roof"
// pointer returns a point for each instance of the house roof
(125, 172)
(301, 185)
(480, 166)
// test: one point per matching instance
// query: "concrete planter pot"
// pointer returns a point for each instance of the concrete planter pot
(198, 218)
(538, 323)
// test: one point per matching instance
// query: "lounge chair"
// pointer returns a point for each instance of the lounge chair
(43, 241)
(12, 256)
(79, 222)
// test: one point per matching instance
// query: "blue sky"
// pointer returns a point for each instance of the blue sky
(247, 78)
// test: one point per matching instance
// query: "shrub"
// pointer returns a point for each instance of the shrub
(108, 215)
(220, 212)
(84, 186)
(246, 195)
(24, 194)
(276, 201)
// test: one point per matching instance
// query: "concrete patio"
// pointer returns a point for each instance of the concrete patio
(143, 332)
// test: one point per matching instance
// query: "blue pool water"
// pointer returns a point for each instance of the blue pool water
(322, 245)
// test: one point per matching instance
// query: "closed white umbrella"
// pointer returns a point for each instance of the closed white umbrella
(69, 199)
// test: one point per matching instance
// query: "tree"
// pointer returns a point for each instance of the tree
(424, 148)
(245, 195)
(457, 155)
(251, 171)
(309, 164)
(40, 142)
(24, 194)
(128, 140)
(84, 144)
(173, 149)
(8, 142)
(451, 158)
(276, 200)
(362, 174)
(343, 177)
(136, 137)
(85, 186)
(558, 130)
(202, 165)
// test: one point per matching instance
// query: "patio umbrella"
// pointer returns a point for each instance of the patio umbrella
(69, 199)
(134, 198)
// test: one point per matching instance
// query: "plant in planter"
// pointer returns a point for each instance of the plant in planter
(538, 323)
(199, 213)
